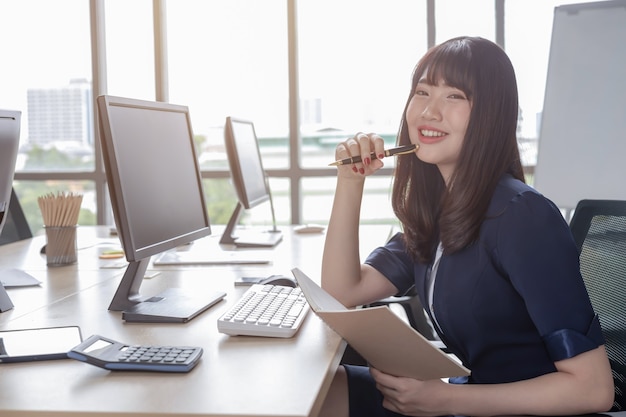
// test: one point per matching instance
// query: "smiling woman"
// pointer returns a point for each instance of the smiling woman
(487, 255)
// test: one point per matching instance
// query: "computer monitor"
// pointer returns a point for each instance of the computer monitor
(9, 142)
(250, 182)
(157, 198)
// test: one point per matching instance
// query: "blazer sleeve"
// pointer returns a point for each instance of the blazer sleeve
(536, 251)
(393, 261)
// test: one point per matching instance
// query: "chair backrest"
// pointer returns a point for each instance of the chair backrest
(599, 229)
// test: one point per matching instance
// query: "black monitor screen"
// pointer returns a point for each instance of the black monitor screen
(155, 187)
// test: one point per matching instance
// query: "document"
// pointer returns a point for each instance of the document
(12, 277)
(386, 341)
(218, 257)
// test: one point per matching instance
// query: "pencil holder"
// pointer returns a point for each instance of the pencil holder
(60, 216)
(61, 245)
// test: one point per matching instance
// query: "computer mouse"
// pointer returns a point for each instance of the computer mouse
(280, 280)
(309, 228)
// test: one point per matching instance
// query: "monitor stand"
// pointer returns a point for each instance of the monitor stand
(5, 302)
(171, 306)
(249, 239)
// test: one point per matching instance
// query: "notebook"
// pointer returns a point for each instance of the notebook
(386, 341)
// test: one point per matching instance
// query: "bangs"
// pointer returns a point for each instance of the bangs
(449, 64)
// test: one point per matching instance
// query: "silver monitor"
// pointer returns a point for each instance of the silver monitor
(157, 197)
(250, 182)
(9, 142)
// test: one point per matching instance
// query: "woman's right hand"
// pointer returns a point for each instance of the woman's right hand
(343, 276)
(363, 145)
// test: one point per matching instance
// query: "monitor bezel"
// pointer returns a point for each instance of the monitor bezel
(233, 152)
(10, 127)
(116, 188)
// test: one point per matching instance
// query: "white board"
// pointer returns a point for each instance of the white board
(582, 140)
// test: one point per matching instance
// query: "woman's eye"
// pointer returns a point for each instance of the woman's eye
(457, 96)
(420, 93)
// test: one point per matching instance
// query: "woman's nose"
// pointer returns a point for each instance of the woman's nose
(431, 111)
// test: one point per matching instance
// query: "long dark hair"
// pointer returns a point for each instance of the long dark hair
(428, 210)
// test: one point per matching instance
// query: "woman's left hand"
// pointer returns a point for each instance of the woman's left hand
(411, 397)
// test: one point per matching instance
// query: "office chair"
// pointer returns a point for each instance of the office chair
(16, 226)
(417, 317)
(599, 229)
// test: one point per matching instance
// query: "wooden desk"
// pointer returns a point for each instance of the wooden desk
(59, 282)
(237, 376)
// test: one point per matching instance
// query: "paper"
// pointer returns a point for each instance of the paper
(386, 341)
(210, 258)
(17, 278)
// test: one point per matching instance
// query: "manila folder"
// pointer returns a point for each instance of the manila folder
(386, 341)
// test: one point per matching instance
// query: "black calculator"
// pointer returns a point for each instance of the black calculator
(116, 356)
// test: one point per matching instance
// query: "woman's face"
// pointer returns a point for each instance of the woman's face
(437, 117)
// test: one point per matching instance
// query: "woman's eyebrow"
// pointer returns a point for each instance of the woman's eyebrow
(426, 81)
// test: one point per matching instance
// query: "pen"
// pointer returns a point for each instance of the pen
(400, 150)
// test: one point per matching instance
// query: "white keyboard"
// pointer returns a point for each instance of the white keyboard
(265, 310)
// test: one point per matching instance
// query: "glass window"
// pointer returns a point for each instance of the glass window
(229, 58)
(28, 193)
(46, 73)
(130, 48)
(464, 18)
(356, 60)
(317, 200)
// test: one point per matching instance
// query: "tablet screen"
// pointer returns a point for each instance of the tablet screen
(38, 344)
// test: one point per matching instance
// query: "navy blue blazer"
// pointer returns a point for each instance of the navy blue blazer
(513, 302)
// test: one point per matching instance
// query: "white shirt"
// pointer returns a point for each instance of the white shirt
(431, 282)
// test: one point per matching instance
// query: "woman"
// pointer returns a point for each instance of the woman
(492, 258)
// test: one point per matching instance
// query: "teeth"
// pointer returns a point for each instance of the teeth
(432, 133)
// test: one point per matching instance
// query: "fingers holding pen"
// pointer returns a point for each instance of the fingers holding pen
(367, 148)
(370, 143)
(356, 146)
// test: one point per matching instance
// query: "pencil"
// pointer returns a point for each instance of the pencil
(400, 150)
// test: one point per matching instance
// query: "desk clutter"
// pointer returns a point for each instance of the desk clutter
(80, 294)
(66, 342)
